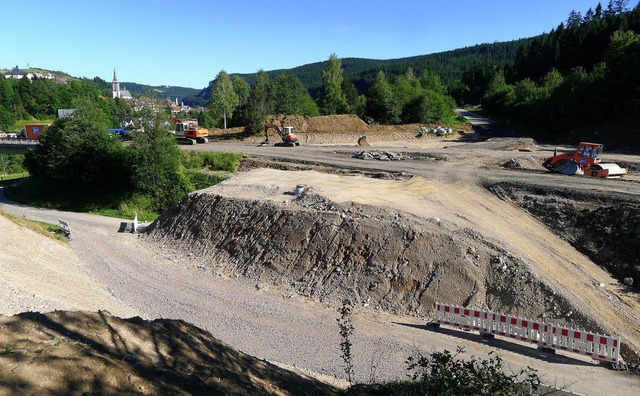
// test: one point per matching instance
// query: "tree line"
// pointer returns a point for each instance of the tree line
(407, 98)
(584, 72)
(24, 99)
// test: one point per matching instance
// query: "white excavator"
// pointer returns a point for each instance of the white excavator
(287, 135)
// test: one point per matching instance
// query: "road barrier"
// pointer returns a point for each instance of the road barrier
(548, 336)
(18, 142)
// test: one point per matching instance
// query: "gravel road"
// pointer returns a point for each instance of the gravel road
(273, 324)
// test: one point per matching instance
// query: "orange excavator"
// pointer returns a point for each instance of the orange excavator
(287, 134)
(188, 133)
(584, 161)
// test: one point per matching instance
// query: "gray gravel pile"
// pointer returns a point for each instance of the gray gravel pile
(380, 155)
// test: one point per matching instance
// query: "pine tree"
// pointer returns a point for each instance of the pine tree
(574, 20)
(620, 6)
(333, 100)
(598, 14)
(259, 106)
(589, 15)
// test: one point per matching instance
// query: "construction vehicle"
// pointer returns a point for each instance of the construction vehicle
(287, 134)
(32, 131)
(189, 133)
(584, 161)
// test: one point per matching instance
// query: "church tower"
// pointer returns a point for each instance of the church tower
(115, 85)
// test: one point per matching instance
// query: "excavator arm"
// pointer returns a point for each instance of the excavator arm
(266, 132)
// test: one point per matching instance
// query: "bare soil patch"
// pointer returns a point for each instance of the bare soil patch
(97, 353)
(338, 129)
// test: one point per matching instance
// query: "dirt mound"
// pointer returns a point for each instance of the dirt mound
(343, 123)
(373, 256)
(96, 353)
(509, 144)
(337, 129)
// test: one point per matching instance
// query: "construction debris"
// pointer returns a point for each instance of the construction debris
(379, 155)
(512, 164)
(439, 131)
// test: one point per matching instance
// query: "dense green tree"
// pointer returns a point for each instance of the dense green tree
(224, 98)
(430, 107)
(242, 89)
(76, 152)
(356, 103)
(406, 88)
(623, 63)
(289, 96)
(259, 104)
(203, 119)
(154, 160)
(333, 100)
(382, 105)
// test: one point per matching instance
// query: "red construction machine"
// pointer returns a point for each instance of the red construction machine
(584, 161)
(287, 134)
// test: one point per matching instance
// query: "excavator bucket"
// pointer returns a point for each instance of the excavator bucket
(362, 141)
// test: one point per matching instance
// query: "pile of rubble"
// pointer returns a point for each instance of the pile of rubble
(439, 131)
(512, 164)
(380, 156)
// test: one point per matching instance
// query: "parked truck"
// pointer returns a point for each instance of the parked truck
(32, 131)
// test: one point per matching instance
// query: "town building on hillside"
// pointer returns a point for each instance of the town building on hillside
(63, 113)
(17, 73)
(117, 92)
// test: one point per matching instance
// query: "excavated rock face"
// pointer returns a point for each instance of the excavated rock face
(369, 255)
(605, 227)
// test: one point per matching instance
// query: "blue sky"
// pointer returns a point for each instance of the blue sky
(187, 42)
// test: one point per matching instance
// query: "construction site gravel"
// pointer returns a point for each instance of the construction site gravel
(263, 268)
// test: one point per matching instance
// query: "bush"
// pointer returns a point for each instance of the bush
(227, 162)
(201, 180)
(12, 163)
(442, 373)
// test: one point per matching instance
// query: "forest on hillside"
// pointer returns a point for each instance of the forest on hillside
(584, 72)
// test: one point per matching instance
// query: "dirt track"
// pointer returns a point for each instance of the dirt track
(452, 190)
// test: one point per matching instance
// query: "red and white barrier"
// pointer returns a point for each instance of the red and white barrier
(597, 346)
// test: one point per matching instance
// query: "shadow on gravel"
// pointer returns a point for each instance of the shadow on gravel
(67, 352)
(502, 344)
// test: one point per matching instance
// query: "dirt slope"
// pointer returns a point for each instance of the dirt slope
(33, 260)
(97, 353)
(399, 246)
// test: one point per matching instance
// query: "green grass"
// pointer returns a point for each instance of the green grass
(128, 208)
(13, 176)
(42, 228)
(6, 351)
(227, 162)
(204, 179)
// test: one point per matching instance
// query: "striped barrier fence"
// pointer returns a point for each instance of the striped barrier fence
(597, 346)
